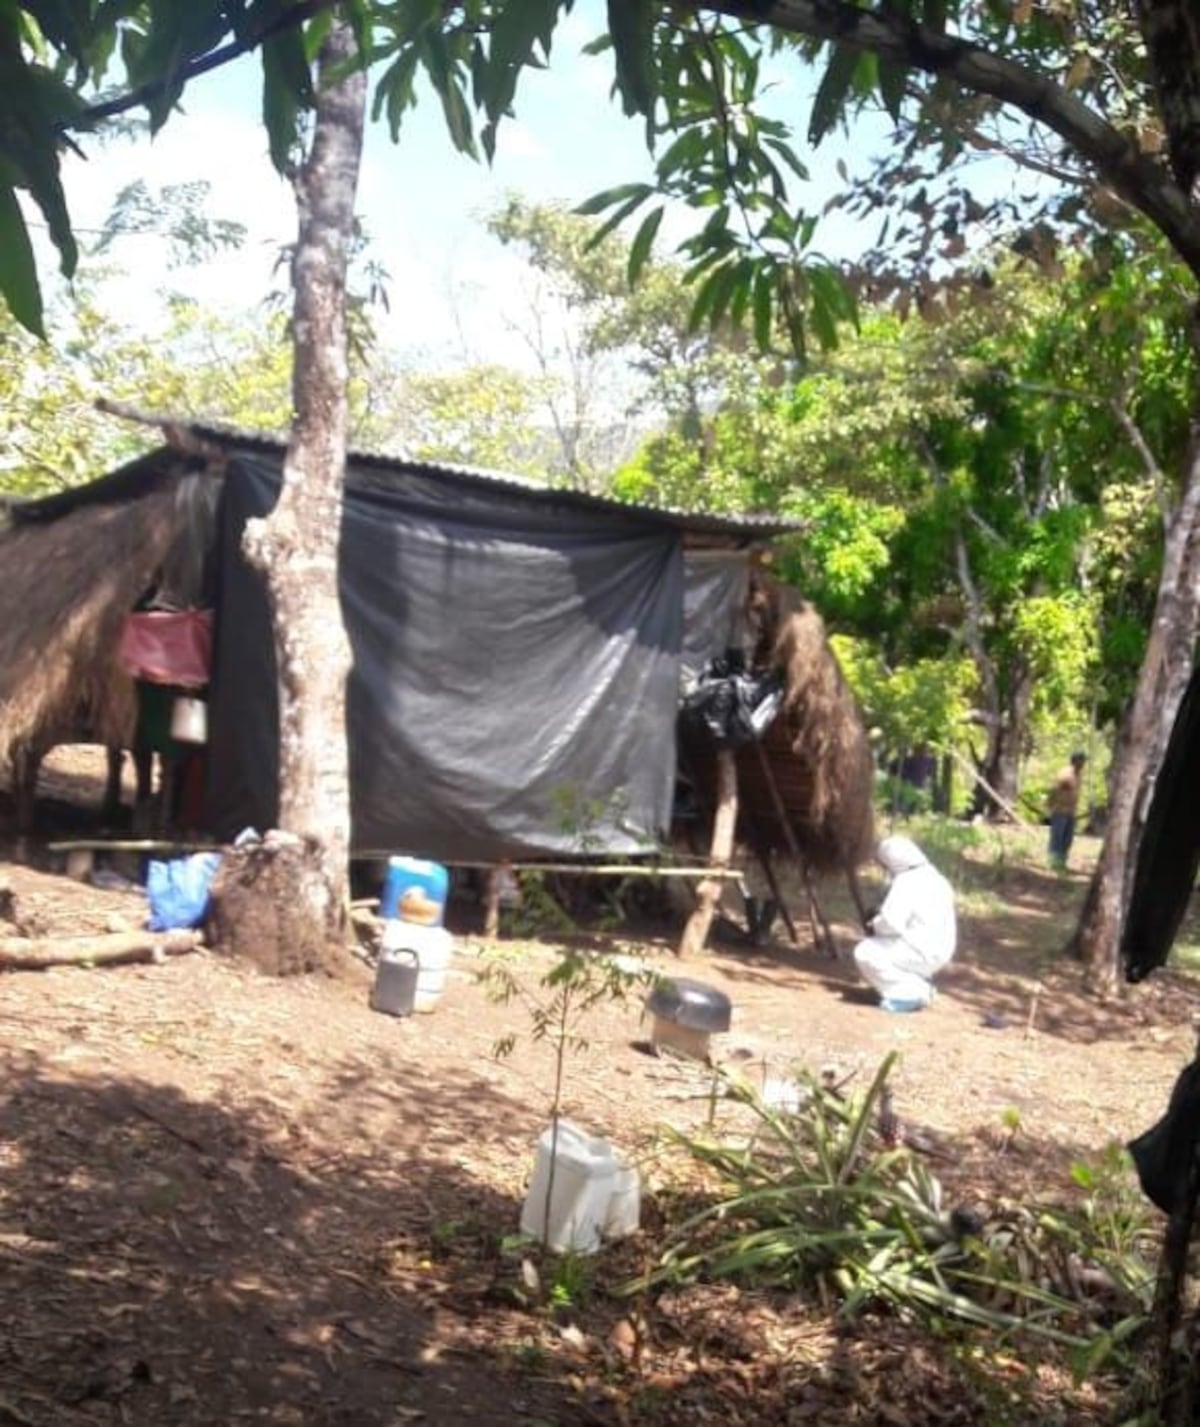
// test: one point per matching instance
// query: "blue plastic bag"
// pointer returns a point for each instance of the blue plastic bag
(178, 890)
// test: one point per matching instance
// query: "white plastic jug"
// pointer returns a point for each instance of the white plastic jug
(593, 1197)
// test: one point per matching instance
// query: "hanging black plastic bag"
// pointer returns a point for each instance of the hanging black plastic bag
(735, 707)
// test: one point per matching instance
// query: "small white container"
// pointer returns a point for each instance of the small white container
(189, 720)
(783, 1096)
(585, 1171)
(433, 948)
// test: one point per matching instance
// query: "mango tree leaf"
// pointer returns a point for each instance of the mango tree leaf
(18, 271)
(764, 297)
(444, 76)
(395, 89)
(743, 289)
(615, 219)
(64, 24)
(598, 202)
(515, 32)
(713, 298)
(639, 249)
(33, 102)
(287, 87)
(831, 93)
(893, 80)
(631, 25)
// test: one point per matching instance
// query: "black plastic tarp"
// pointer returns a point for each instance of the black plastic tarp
(1169, 856)
(714, 603)
(516, 669)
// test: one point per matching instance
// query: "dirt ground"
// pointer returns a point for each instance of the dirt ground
(226, 1199)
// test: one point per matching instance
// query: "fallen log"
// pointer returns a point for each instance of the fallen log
(20, 953)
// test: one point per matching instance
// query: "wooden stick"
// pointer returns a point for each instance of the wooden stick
(768, 867)
(793, 842)
(169, 1127)
(817, 913)
(20, 953)
(856, 897)
(600, 869)
(145, 844)
(695, 934)
(987, 787)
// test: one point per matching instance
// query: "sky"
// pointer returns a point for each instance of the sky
(453, 290)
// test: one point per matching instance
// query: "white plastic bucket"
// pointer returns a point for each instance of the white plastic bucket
(189, 720)
(433, 948)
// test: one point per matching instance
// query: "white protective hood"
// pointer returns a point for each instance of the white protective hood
(899, 854)
(919, 906)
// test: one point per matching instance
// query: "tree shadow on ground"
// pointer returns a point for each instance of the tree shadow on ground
(183, 1261)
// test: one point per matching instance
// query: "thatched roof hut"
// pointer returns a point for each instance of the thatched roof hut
(76, 564)
(70, 571)
(815, 753)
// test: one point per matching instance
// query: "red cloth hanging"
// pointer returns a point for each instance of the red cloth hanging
(168, 647)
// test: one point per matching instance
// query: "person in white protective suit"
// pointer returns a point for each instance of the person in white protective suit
(913, 934)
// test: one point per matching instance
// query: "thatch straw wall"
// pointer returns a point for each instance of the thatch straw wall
(817, 747)
(66, 586)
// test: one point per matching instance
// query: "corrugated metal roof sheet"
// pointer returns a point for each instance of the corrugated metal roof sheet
(747, 527)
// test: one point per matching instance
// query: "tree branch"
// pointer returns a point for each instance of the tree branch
(1117, 405)
(985, 526)
(1050, 168)
(973, 624)
(1141, 180)
(202, 64)
(1139, 443)
(1042, 499)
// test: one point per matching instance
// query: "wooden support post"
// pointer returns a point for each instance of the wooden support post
(695, 934)
(79, 864)
(491, 904)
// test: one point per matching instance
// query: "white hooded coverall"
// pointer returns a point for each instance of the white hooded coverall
(913, 935)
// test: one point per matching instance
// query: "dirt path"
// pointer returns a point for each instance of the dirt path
(228, 1199)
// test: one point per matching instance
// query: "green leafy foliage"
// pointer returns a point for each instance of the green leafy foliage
(177, 213)
(974, 495)
(926, 703)
(824, 1201)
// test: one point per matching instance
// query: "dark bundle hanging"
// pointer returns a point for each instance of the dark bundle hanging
(733, 705)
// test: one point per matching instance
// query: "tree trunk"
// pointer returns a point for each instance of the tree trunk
(1006, 737)
(296, 546)
(1162, 679)
(695, 934)
(943, 794)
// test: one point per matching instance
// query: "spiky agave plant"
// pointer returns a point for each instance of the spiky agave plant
(818, 1200)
